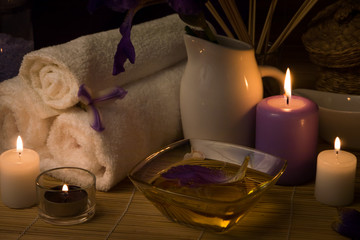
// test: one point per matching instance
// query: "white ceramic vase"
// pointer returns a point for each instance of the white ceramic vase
(220, 88)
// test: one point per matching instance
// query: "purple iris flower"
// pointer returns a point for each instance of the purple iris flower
(194, 175)
(125, 49)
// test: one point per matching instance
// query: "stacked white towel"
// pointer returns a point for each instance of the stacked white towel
(141, 123)
(55, 73)
(19, 116)
(39, 104)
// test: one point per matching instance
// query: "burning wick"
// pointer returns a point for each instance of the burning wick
(65, 189)
(19, 146)
(337, 146)
(287, 86)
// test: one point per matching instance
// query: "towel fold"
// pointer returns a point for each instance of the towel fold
(20, 117)
(144, 121)
(55, 73)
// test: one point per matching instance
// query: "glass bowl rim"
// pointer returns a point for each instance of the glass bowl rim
(183, 141)
(60, 168)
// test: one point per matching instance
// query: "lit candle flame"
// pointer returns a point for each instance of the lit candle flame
(337, 144)
(65, 188)
(287, 86)
(19, 145)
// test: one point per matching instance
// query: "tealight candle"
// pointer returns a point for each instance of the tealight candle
(18, 170)
(335, 176)
(65, 201)
(66, 195)
(287, 127)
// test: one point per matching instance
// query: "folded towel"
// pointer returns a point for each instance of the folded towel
(55, 73)
(136, 126)
(20, 117)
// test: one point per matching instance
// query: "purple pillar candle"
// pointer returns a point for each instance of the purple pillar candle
(287, 127)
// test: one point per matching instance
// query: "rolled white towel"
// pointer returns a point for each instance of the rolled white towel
(141, 123)
(55, 73)
(20, 117)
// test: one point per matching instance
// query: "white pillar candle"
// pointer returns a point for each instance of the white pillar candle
(18, 171)
(335, 176)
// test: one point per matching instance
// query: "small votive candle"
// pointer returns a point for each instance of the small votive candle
(335, 176)
(65, 201)
(18, 170)
(66, 195)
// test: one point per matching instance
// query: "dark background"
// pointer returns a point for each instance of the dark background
(51, 22)
(58, 21)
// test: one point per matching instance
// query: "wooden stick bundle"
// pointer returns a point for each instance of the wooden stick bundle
(218, 18)
(232, 13)
(299, 15)
(248, 34)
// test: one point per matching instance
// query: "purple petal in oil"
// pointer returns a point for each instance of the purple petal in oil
(349, 223)
(192, 175)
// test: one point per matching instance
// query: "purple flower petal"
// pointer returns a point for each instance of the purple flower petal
(117, 92)
(122, 5)
(349, 223)
(97, 124)
(94, 4)
(192, 175)
(84, 95)
(125, 49)
(115, 5)
(187, 7)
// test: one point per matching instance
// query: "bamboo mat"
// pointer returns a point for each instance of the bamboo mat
(285, 212)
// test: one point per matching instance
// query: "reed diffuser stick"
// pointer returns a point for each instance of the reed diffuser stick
(218, 18)
(234, 17)
(224, 5)
(252, 20)
(239, 20)
(267, 25)
(299, 15)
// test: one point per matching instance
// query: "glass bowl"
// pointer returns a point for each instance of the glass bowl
(214, 205)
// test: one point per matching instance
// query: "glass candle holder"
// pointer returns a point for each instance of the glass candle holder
(66, 195)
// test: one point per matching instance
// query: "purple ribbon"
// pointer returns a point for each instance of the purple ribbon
(85, 97)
